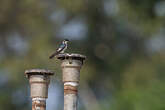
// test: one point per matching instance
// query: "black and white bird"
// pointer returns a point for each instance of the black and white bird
(61, 48)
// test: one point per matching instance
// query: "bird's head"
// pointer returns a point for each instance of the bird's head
(65, 41)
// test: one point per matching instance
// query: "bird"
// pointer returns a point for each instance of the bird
(63, 46)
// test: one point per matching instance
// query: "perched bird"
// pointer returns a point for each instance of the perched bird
(61, 48)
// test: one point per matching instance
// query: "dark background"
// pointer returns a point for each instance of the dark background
(123, 40)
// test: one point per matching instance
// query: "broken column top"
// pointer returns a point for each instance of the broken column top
(73, 56)
(38, 72)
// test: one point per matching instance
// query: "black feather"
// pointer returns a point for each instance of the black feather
(54, 54)
(60, 49)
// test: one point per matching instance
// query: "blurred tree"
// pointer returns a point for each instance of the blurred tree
(122, 40)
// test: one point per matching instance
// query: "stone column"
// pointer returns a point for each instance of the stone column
(39, 80)
(71, 65)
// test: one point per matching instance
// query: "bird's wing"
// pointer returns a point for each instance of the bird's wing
(62, 46)
(58, 50)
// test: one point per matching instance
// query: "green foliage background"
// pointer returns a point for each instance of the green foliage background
(124, 45)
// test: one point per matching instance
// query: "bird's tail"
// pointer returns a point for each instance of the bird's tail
(53, 55)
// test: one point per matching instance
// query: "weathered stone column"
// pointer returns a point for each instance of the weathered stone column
(71, 65)
(39, 80)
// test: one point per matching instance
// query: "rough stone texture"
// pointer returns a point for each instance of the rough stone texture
(39, 105)
(39, 80)
(71, 70)
(71, 65)
(38, 72)
(39, 85)
(71, 56)
(70, 102)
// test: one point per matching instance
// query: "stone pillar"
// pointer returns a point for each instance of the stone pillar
(71, 65)
(39, 80)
